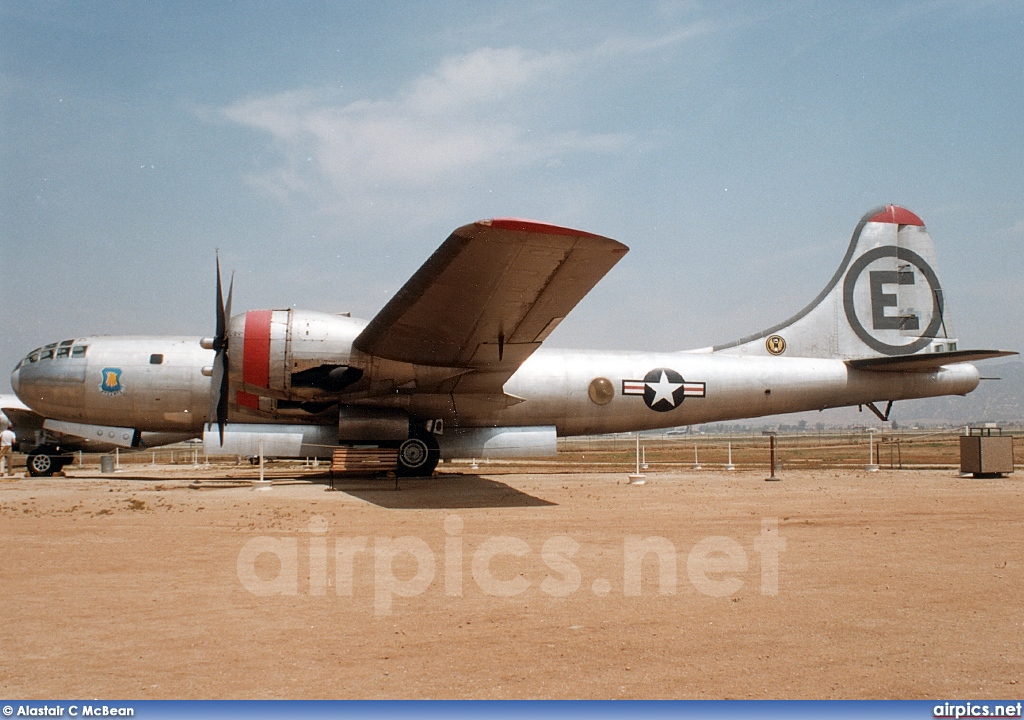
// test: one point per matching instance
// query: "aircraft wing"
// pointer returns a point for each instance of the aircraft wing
(488, 297)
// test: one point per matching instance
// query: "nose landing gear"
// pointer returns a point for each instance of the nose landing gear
(44, 461)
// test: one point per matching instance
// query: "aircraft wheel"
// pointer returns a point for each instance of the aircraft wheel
(417, 457)
(40, 465)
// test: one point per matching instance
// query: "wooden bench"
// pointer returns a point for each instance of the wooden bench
(363, 461)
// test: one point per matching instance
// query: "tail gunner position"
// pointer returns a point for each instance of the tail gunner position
(453, 366)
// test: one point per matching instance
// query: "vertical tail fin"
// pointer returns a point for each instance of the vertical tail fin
(885, 300)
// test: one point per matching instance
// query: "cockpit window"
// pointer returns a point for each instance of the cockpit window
(156, 359)
(67, 343)
(46, 354)
(33, 356)
(78, 351)
(63, 352)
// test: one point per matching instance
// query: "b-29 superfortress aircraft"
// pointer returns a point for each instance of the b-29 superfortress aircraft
(452, 366)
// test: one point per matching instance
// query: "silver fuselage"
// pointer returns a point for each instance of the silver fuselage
(157, 384)
(150, 383)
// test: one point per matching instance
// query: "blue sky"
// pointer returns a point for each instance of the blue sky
(328, 148)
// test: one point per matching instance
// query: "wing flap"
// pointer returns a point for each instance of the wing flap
(489, 296)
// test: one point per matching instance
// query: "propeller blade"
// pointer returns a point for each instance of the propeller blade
(221, 331)
(219, 379)
(222, 401)
(227, 307)
(218, 410)
(224, 385)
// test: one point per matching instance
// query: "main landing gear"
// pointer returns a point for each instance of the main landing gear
(418, 456)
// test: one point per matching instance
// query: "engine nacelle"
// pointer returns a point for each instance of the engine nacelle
(286, 441)
(290, 355)
(498, 442)
(114, 436)
(355, 425)
(297, 365)
(372, 425)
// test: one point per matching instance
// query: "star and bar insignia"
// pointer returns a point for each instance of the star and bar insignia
(663, 389)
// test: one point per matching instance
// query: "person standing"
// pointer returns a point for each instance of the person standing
(7, 439)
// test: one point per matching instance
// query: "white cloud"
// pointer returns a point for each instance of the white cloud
(487, 76)
(636, 45)
(474, 114)
(1014, 232)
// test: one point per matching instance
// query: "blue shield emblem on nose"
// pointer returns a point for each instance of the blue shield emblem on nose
(111, 383)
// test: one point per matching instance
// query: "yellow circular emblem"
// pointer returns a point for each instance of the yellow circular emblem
(601, 391)
(776, 344)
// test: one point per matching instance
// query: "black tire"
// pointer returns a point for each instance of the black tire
(41, 464)
(418, 456)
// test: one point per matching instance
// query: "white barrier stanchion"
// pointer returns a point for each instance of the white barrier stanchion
(872, 466)
(262, 483)
(637, 478)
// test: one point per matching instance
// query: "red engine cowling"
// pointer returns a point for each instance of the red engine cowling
(290, 355)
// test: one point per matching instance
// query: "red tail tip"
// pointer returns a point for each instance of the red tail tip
(897, 215)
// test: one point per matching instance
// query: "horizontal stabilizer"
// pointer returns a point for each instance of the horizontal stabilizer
(926, 362)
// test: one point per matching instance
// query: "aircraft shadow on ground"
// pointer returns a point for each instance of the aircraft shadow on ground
(438, 492)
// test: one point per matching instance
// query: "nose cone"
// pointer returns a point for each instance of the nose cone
(15, 380)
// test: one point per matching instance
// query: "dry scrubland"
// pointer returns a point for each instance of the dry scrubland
(891, 584)
(913, 449)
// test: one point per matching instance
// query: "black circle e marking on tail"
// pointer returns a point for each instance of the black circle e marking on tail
(879, 301)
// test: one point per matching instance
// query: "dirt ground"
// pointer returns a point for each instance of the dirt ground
(828, 584)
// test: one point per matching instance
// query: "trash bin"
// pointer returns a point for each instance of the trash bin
(107, 464)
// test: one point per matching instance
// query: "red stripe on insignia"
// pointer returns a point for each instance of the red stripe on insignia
(247, 400)
(633, 387)
(256, 348)
(693, 389)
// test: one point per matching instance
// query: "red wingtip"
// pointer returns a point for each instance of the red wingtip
(533, 226)
(897, 215)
